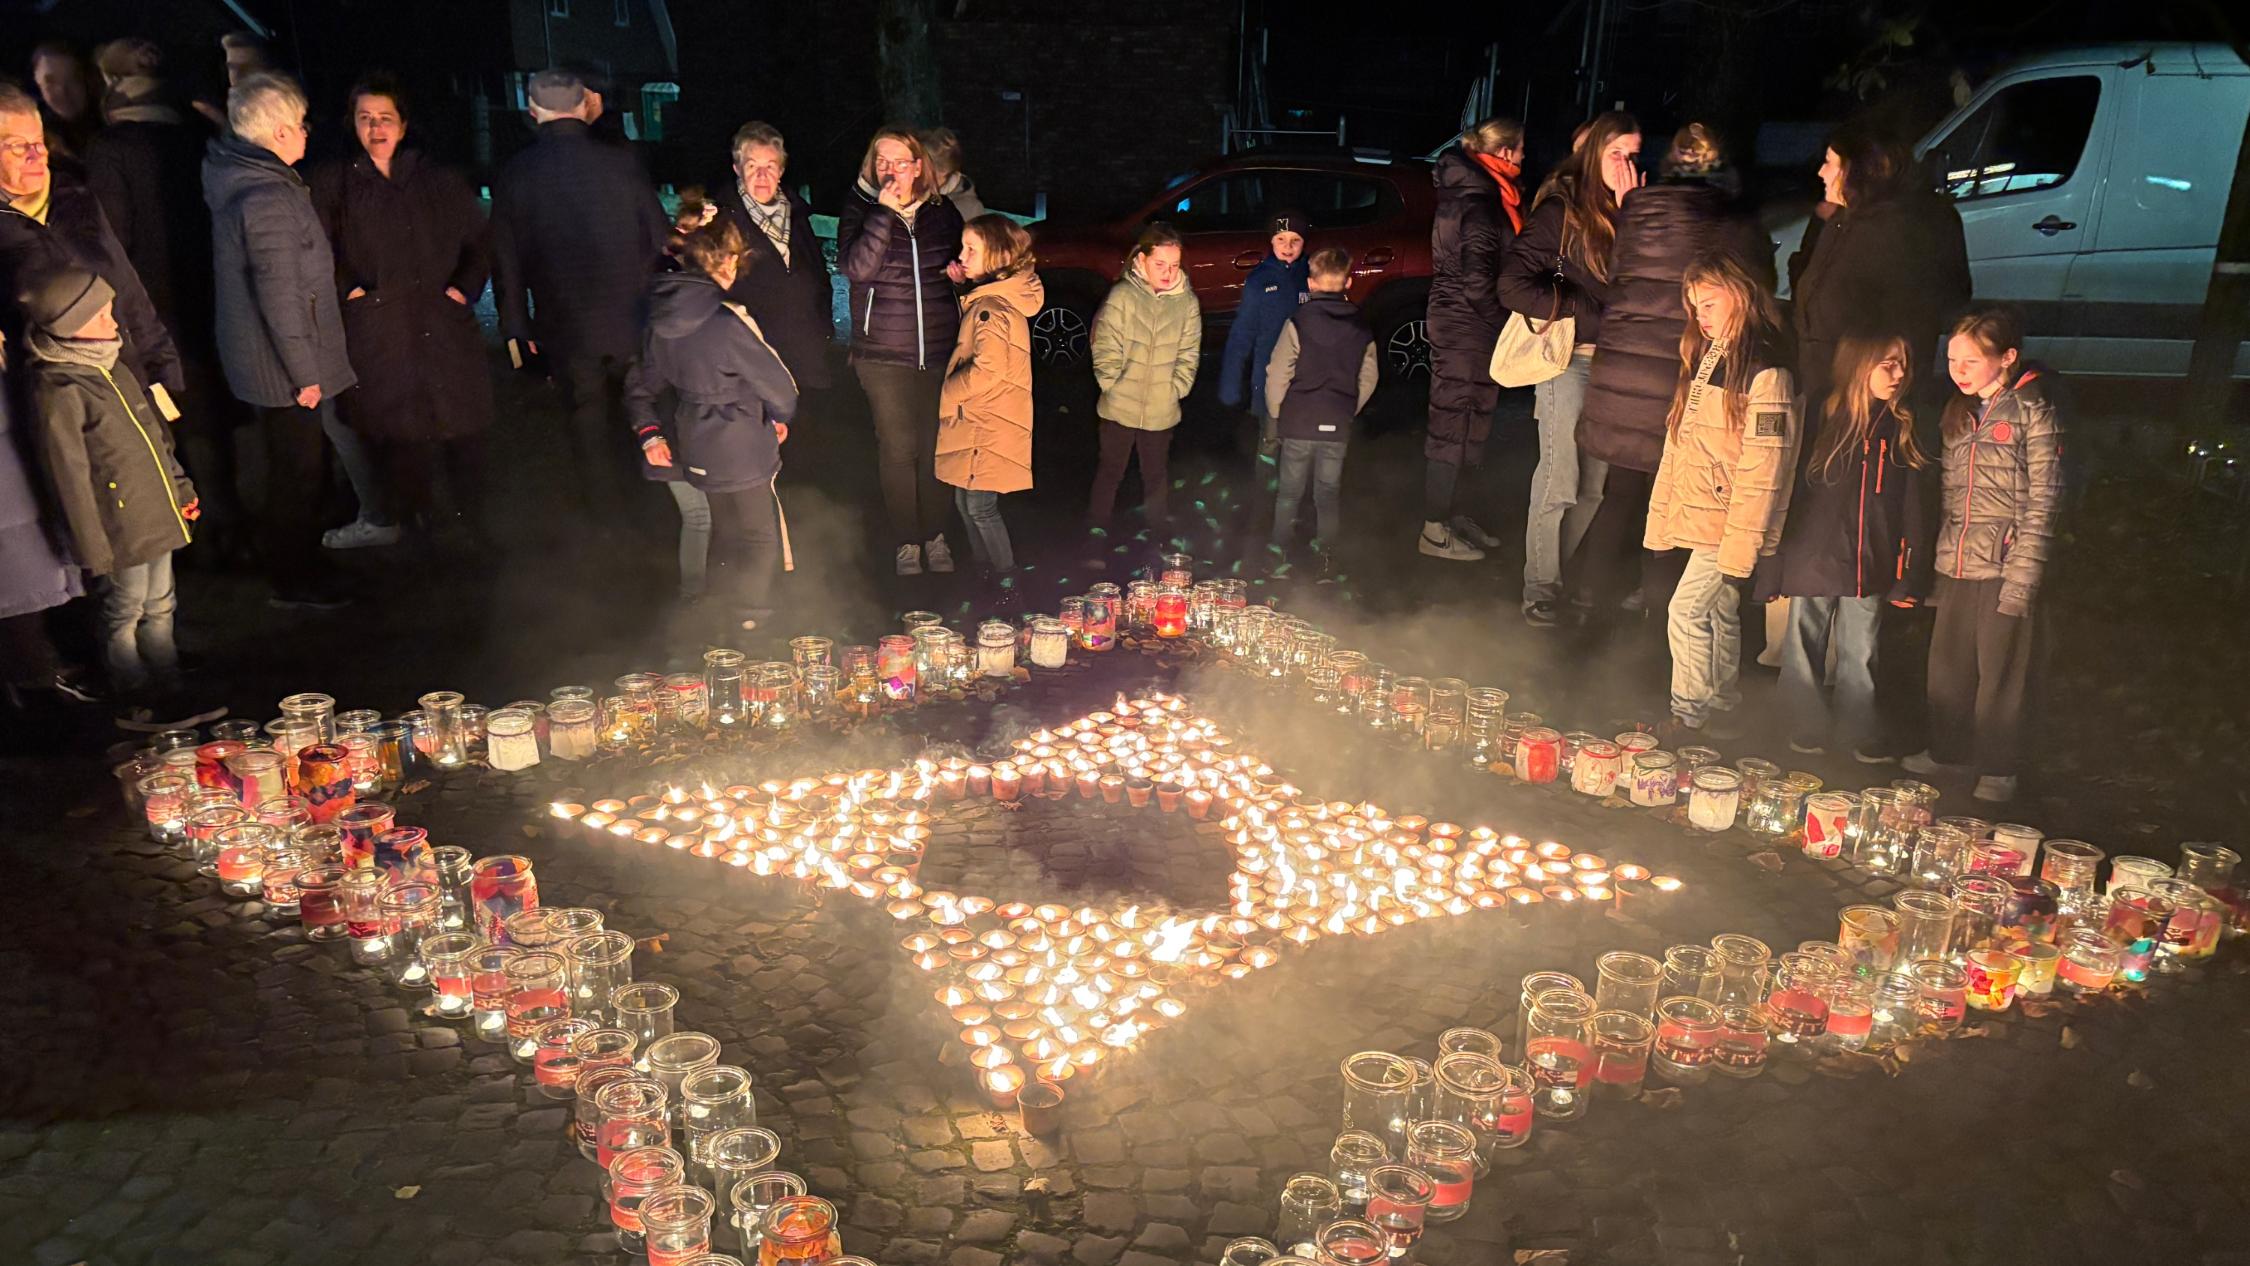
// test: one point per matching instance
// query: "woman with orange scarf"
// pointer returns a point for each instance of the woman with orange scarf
(1478, 214)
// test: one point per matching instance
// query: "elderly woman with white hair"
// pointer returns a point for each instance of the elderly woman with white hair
(281, 335)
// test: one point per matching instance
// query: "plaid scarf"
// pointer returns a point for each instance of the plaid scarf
(773, 220)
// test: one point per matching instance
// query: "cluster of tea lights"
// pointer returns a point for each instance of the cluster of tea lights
(1042, 992)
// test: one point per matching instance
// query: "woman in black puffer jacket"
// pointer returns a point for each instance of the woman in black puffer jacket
(893, 242)
(1692, 206)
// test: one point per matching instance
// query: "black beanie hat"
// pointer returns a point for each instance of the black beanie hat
(1288, 220)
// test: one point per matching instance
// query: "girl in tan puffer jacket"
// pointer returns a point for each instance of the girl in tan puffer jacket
(984, 408)
(1722, 487)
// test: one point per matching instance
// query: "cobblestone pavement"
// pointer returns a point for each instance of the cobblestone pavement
(189, 1081)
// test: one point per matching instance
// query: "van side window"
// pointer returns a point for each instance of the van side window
(1234, 202)
(2027, 136)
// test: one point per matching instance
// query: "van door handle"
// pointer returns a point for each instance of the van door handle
(2053, 225)
(1378, 257)
(1248, 259)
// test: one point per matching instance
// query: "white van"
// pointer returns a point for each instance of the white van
(2091, 183)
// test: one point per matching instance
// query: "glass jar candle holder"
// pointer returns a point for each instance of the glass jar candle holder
(1992, 975)
(772, 691)
(748, 1201)
(1539, 755)
(279, 888)
(446, 963)
(1743, 1040)
(1691, 971)
(630, 1178)
(360, 824)
(604, 1048)
(601, 963)
(1308, 1203)
(447, 744)
(2036, 967)
(1714, 798)
(1881, 834)
(1941, 852)
(259, 775)
(1558, 1054)
(488, 989)
(1757, 774)
(403, 852)
(1621, 1042)
(1350, 1242)
(320, 903)
(410, 914)
(1851, 1012)
(314, 708)
(1925, 925)
(1534, 984)
(1169, 613)
(499, 886)
(1493, 1101)
(2088, 964)
(1828, 817)
(1593, 771)
(204, 823)
(1655, 779)
(671, 1058)
(820, 688)
(1399, 1205)
(555, 1064)
(644, 1009)
(1097, 630)
(1869, 938)
(1943, 1001)
(1350, 1159)
(895, 668)
(1378, 1096)
(538, 985)
(1979, 901)
(632, 1112)
(1487, 709)
(1686, 1040)
(1743, 961)
(730, 1156)
(240, 857)
(1626, 981)
(713, 1100)
(798, 1229)
(996, 649)
(164, 805)
(510, 745)
(361, 892)
(1797, 1005)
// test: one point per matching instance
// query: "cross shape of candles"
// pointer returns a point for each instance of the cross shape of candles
(1044, 990)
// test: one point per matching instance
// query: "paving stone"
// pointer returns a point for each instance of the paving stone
(1042, 1248)
(1110, 1211)
(992, 1156)
(972, 1256)
(1097, 1250)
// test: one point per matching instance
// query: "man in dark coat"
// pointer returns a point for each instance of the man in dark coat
(281, 338)
(576, 234)
(1691, 207)
(409, 242)
(49, 220)
(783, 280)
(1475, 221)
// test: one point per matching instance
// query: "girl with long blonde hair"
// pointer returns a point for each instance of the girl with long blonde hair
(1722, 486)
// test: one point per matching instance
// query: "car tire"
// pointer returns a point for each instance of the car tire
(1402, 339)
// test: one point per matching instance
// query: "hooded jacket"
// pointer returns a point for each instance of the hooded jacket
(1722, 487)
(108, 460)
(576, 234)
(903, 310)
(789, 299)
(277, 319)
(730, 385)
(962, 193)
(1270, 295)
(77, 234)
(1860, 529)
(1469, 235)
(1637, 358)
(1145, 347)
(2003, 483)
(984, 406)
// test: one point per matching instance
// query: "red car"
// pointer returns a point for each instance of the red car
(1377, 207)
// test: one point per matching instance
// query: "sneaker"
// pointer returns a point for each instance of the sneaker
(360, 534)
(1865, 757)
(1542, 615)
(909, 560)
(74, 687)
(1467, 529)
(167, 714)
(1807, 749)
(1439, 541)
(308, 600)
(1919, 763)
(1996, 788)
(940, 555)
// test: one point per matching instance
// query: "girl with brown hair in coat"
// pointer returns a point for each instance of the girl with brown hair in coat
(1692, 206)
(1559, 267)
(411, 260)
(984, 409)
(1147, 341)
(1479, 212)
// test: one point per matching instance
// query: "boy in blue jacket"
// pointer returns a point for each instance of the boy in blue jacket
(1270, 295)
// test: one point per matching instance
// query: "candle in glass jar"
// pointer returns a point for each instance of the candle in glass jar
(1539, 755)
(1171, 612)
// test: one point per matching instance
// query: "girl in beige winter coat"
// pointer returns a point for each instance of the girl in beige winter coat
(1146, 341)
(1722, 488)
(984, 407)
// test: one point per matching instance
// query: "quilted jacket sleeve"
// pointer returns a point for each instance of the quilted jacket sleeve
(2029, 543)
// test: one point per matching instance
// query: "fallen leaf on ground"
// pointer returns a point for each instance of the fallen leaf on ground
(1976, 1030)
(1663, 1098)
(2070, 1038)
(406, 1193)
(1766, 861)
(419, 784)
(654, 944)
(2139, 1080)
(2127, 1178)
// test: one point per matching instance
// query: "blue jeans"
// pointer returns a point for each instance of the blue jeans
(988, 532)
(695, 535)
(137, 608)
(1566, 489)
(1804, 656)
(359, 467)
(1320, 462)
(1704, 627)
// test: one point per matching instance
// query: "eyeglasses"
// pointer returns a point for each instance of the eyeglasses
(23, 149)
(903, 164)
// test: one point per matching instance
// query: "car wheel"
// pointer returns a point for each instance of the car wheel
(1058, 337)
(1406, 351)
